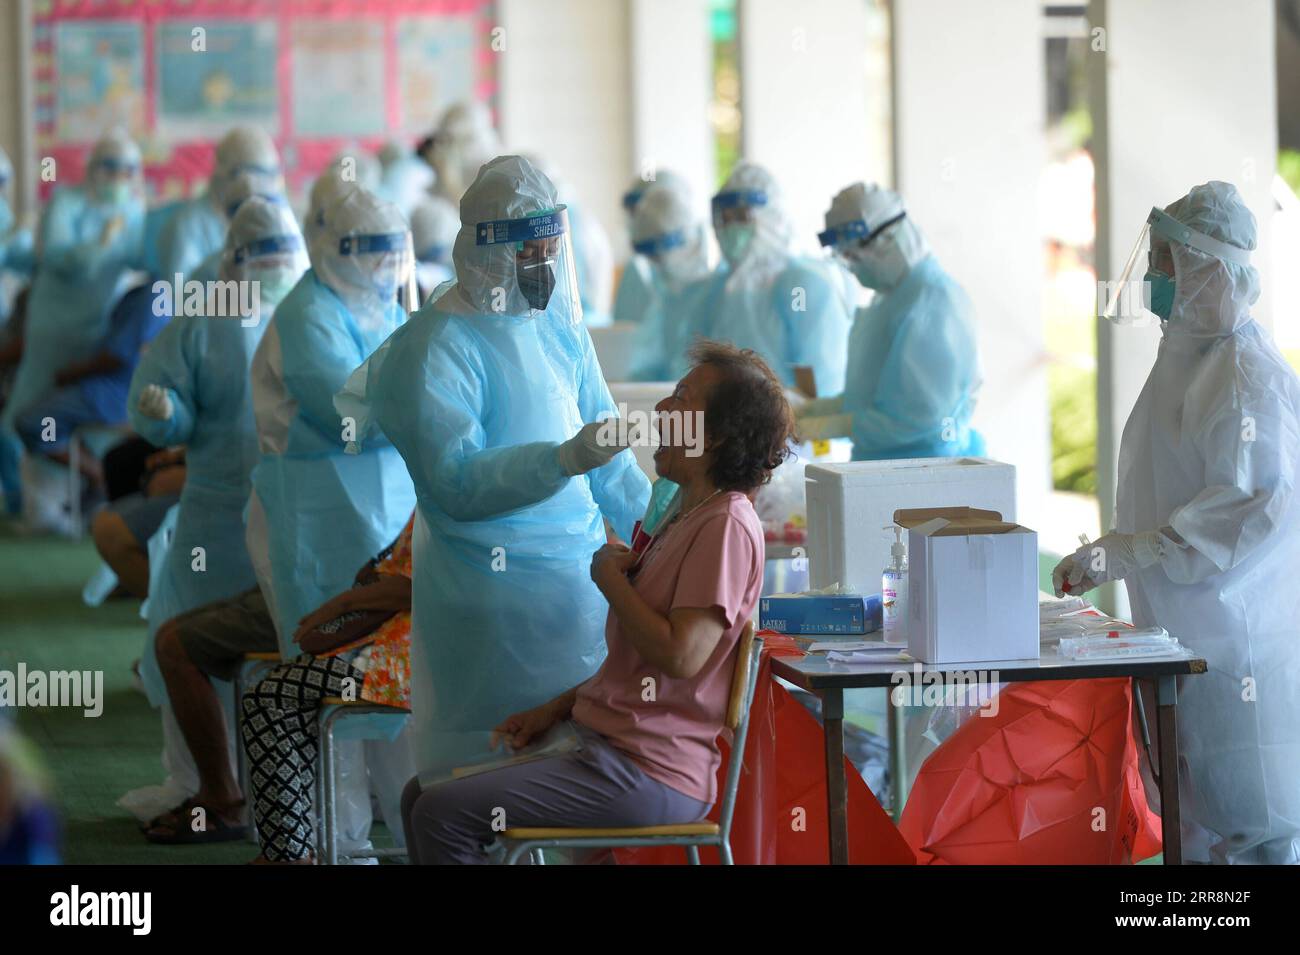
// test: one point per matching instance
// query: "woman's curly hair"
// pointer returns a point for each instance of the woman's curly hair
(748, 423)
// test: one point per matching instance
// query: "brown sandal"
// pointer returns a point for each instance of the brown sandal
(172, 828)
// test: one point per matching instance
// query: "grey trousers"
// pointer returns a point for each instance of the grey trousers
(597, 786)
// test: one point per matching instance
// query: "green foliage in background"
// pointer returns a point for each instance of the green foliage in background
(1288, 167)
(1072, 394)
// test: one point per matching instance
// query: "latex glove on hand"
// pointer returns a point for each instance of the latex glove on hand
(155, 403)
(1112, 556)
(593, 446)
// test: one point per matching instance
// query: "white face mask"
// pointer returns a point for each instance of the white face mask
(273, 284)
(735, 241)
(115, 192)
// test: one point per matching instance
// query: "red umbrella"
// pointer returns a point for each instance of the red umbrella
(1050, 778)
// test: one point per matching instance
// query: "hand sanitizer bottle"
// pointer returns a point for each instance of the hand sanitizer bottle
(893, 590)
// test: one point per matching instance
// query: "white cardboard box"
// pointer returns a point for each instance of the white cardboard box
(972, 586)
(851, 504)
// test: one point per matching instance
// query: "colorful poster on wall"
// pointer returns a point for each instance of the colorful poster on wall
(214, 75)
(100, 66)
(338, 78)
(435, 58)
(319, 75)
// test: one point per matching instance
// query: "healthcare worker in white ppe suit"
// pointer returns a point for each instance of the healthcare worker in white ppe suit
(1207, 528)
(493, 395)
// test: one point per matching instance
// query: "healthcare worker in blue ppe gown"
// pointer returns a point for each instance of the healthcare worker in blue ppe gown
(635, 293)
(192, 387)
(320, 514)
(242, 188)
(669, 239)
(198, 228)
(913, 369)
(16, 247)
(790, 309)
(492, 393)
(1207, 525)
(89, 238)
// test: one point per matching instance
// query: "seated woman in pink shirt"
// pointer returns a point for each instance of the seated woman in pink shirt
(649, 719)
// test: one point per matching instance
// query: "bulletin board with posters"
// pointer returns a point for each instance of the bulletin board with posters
(319, 75)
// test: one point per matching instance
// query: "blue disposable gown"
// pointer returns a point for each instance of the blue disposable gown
(673, 319)
(327, 512)
(800, 317)
(188, 236)
(155, 222)
(77, 283)
(505, 613)
(913, 371)
(635, 291)
(204, 365)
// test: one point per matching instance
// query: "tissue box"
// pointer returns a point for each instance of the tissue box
(820, 615)
(972, 588)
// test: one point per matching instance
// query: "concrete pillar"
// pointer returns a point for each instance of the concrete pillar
(671, 82)
(1181, 93)
(969, 102)
(811, 112)
(564, 89)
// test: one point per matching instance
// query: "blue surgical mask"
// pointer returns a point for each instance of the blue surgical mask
(665, 501)
(1162, 293)
(735, 241)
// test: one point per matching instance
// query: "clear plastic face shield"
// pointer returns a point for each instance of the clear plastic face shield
(1145, 289)
(275, 262)
(673, 254)
(854, 245)
(736, 208)
(264, 178)
(850, 242)
(381, 264)
(544, 269)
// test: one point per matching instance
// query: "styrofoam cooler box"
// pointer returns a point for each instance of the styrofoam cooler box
(615, 348)
(849, 505)
(640, 397)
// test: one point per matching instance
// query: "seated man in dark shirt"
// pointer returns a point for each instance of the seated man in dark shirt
(92, 391)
